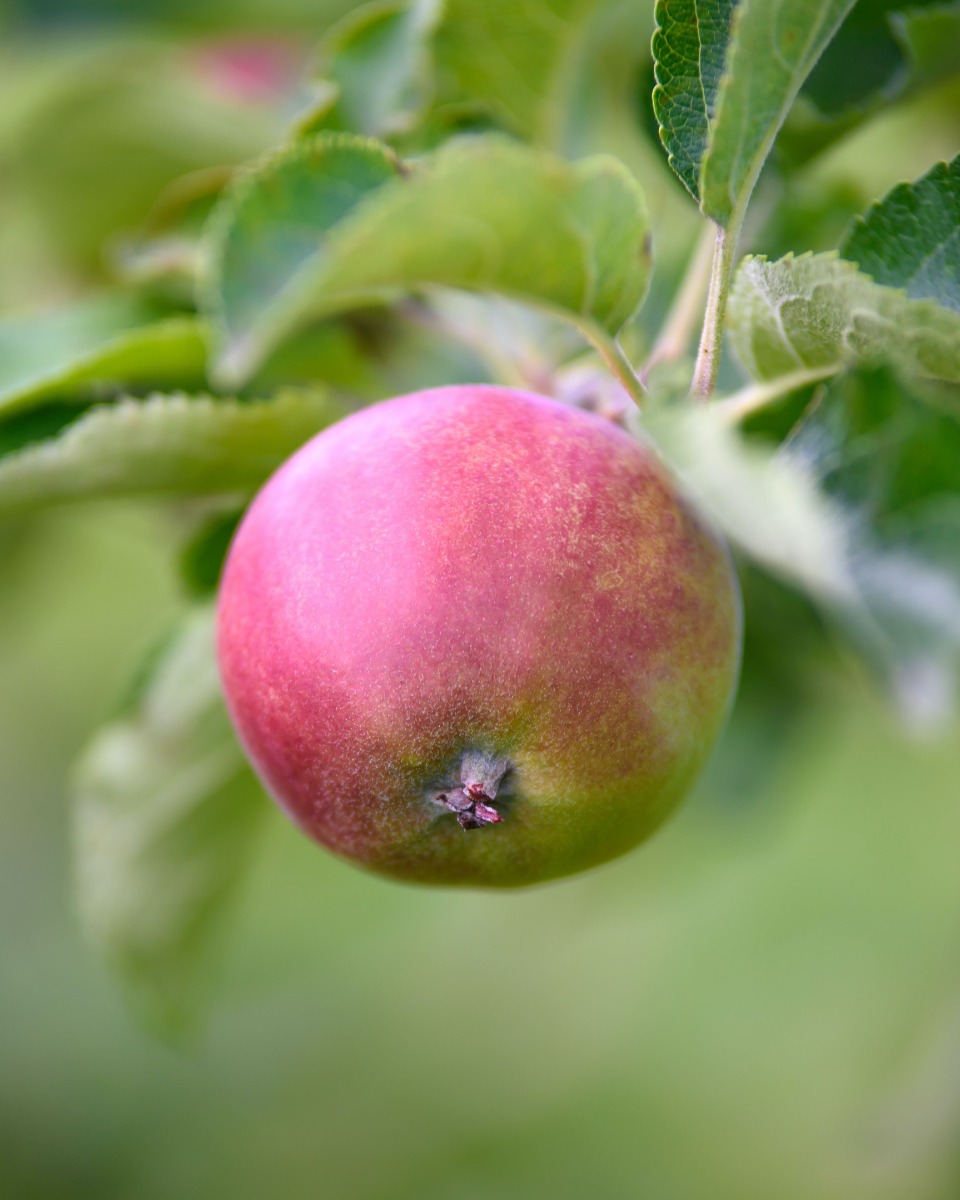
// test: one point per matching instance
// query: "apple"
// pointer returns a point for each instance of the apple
(476, 636)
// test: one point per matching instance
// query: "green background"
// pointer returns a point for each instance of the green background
(764, 1002)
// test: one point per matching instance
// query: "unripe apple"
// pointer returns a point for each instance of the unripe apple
(475, 636)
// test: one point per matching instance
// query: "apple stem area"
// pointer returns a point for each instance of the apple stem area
(471, 798)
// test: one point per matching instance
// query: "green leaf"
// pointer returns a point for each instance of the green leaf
(820, 311)
(689, 50)
(95, 349)
(911, 238)
(774, 45)
(165, 812)
(483, 214)
(272, 228)
(375, 69)
(514, 59)
(727, 74)
(169, 446)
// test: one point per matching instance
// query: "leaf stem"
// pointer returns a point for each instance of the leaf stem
(711, 339)
(681, 320)
(619, 365)
(757, 396)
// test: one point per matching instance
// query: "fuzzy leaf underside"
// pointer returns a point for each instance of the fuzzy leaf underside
(483, 214)
(170, 446)
(689, 49)
(911, 238)
(165, 809)
(774, 45)
(820, 311)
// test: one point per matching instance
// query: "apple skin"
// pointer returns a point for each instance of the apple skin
(477, 588)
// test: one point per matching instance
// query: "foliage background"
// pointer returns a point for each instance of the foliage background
(763, 1002)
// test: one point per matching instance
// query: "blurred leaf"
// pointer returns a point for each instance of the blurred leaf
(820, 311)
(165, 812)
(774, 46)
(768, 505)
(890, 452)
(202, 559)
(375, 69)
(860, 509)
(96, 348)
(483, 214)
(885, 50)
(174, 445)
(872, 54)
(112, 127)
(514, 59)
(911, 238)
(273, 228)
(689, 49)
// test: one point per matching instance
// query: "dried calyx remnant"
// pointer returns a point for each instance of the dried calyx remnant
(471, 798)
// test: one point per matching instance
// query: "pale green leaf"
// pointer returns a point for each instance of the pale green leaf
(773, 47)
(769, 506)
(820, 311)
(484, 214)
(515, 59)
(169, 446)
(911, 238)
(94, 349)
(165, 810)
(375, 69)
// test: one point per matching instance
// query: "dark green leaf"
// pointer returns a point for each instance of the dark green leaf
(165, 812)
(871, 56)
(774, 46)
(202, 559)
(911, 238)
(689, 50)
(171, 446)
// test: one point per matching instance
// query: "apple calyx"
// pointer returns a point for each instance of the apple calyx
(481, 775)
